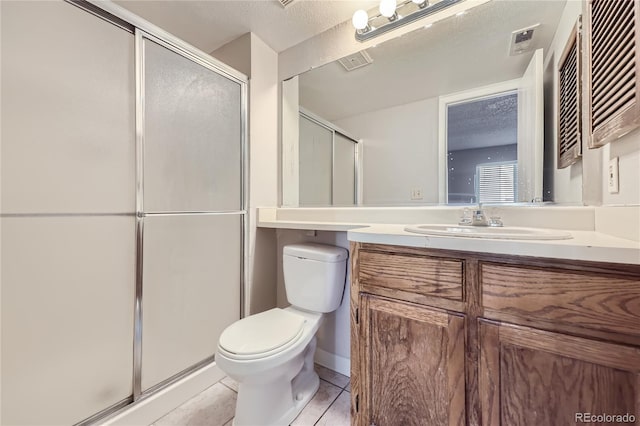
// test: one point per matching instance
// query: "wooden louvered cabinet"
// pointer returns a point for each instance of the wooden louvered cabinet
(612, 69)
(443, 337)
(569, 101)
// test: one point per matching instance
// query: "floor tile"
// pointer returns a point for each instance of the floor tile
(339, 414)
(331, 376)
(348, 388)
(213, 407)
(327, 393)
(230, 383)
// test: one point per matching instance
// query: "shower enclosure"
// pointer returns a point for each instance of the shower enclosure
(123, 214)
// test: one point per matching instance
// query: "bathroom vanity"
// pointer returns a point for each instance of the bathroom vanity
(455, 337)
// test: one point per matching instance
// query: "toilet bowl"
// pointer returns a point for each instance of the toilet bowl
(270, 354)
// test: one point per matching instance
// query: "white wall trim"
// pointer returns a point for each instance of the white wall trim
(149, 410)
(453, 98)
(333, 362)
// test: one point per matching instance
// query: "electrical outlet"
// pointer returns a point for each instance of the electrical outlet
(416, 194)
(614, 180)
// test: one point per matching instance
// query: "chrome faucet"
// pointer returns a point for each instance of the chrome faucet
(478, 217)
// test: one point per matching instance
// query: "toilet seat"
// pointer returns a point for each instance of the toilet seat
(261, 335)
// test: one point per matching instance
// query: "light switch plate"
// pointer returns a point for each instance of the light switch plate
(613, 176)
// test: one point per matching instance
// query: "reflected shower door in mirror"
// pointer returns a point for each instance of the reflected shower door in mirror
(394, 97)
(327, 159)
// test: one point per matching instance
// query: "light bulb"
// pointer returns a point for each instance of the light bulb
(360, 19)
(388, 8)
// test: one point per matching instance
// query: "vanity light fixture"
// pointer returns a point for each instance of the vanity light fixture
(388, 9)
(360, 21)
(393, 14)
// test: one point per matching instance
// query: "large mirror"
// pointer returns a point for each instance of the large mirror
(461, 111)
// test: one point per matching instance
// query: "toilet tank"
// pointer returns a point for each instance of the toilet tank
(314, 275)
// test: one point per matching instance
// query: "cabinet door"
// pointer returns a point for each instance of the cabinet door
(411, 365)
(534, 377)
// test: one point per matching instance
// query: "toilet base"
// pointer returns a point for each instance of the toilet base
(278, 403)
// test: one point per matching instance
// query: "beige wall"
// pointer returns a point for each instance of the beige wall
(400, 152)
(627, 149)
(565, 184)
(236, 54)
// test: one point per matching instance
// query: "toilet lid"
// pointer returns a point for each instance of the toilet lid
(262, 332)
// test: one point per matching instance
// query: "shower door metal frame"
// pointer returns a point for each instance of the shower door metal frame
(141, 28)
(141, 35)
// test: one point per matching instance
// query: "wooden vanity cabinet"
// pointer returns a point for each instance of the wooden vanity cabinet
(408, 337)
(444, 337)
(534, 377)
(413, 360)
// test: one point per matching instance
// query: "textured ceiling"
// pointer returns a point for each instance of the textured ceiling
(455, 54)
(483, 123)
(213, 23)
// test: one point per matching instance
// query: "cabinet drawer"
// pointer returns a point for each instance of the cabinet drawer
(599, 302)
(429, 276)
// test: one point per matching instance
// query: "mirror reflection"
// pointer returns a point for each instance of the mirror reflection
(482, 149)
(451, 113)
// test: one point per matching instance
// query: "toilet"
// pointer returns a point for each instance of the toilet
(270, 354)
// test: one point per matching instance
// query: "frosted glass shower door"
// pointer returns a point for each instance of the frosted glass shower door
(67, 221)
(192, 135)
(315, 163)
(191, 290)
(192, 210)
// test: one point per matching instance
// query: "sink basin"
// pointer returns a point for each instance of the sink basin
(503, 233)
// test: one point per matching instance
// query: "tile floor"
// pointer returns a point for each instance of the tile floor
(216, 405)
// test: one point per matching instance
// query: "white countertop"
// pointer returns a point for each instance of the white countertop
(585, 245)
(598, 233)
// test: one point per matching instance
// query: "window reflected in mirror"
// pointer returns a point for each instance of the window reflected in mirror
(482, 137)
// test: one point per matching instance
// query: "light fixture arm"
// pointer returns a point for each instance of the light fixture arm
(399, 18)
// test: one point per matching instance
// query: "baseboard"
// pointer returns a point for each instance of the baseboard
(150, 409)
(334, 362)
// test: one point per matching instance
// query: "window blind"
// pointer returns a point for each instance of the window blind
(497, 183)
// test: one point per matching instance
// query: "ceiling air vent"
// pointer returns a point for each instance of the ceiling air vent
(285, 3)
(357, 60)
(522, 40)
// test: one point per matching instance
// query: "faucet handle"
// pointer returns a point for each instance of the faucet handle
(495, 221)
(465, 219)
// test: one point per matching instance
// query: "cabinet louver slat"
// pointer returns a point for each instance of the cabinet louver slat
(569, 121)
(612, 106)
